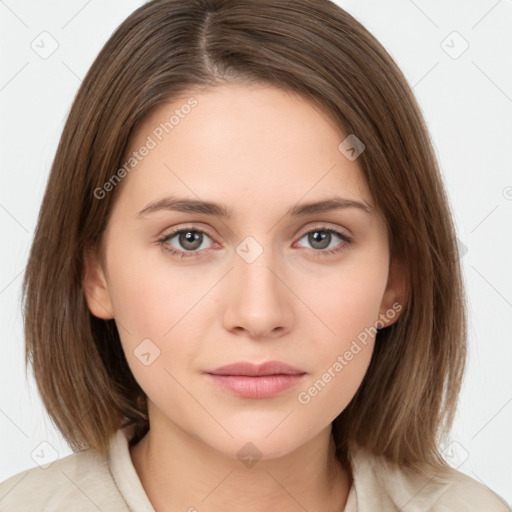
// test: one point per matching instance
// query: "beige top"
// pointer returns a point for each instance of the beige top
(85, 481)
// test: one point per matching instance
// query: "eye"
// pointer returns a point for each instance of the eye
(321, 238)
(190, 239)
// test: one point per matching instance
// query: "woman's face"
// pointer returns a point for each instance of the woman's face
(192, 290)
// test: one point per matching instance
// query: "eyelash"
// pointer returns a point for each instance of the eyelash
(319, 253)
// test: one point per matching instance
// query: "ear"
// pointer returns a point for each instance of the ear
(95, 286)
(395, 295)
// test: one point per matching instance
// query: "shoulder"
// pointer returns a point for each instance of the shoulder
(81, 481)
(464, 493)
(379, 483)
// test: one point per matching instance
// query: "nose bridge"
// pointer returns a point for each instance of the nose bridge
(253, 270)
(259, 301)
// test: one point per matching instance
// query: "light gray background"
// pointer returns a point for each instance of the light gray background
(466, 98)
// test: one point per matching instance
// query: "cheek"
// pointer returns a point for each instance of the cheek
(160, 313)
(342, 352)
(152, 296)
(346, 302)
(347, 308)
(328, 392)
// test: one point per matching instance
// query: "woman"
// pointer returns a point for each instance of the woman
(244, 290)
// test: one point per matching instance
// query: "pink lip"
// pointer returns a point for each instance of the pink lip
(250, 380)
(250, 369)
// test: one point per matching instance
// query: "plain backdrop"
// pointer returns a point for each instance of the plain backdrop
(457, 57)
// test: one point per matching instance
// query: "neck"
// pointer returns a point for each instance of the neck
(182, 473)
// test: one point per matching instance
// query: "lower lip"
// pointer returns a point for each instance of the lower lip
(264, 386)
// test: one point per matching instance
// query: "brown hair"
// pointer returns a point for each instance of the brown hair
(406, 403)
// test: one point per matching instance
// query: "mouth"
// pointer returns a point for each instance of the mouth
(249, 380)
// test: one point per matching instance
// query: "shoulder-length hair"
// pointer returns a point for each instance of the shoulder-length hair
(406, 403)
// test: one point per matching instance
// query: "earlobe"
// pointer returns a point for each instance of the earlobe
(95, 286)
(395, 294)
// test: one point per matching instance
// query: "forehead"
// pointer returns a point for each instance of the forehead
(241, 141)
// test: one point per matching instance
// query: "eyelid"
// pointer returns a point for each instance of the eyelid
(187, 227)
(324, 226)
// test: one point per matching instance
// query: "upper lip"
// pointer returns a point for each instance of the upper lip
(252, 369)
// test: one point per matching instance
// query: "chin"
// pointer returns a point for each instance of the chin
(258, 444)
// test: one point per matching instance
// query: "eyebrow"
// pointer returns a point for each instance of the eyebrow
(210, 208)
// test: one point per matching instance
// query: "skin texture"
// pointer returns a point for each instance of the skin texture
(258, 150)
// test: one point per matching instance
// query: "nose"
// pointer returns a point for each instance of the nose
(259, 303)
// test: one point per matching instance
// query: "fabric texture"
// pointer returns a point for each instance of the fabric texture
(85, 481)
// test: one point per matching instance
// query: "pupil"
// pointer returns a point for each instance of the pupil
(322, 236)
(190, 237)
